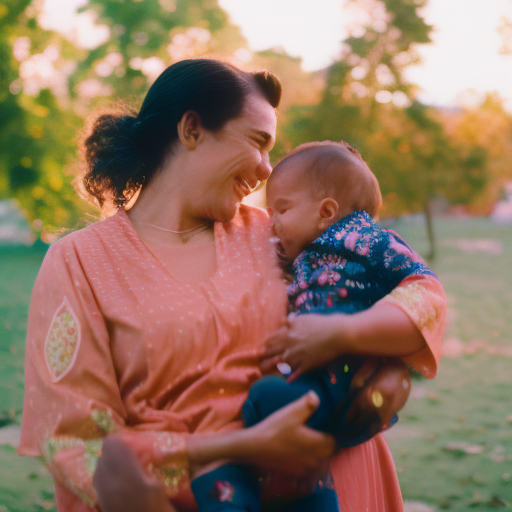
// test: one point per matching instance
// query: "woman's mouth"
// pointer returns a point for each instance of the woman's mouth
(243, 186)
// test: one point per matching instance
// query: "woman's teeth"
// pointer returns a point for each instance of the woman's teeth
(244, 185)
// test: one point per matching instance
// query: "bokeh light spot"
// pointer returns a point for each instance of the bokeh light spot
(26, 162)
(383, 96)
(38, 192)
(377, 398)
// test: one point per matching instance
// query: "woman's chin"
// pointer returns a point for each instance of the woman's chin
(226, 213)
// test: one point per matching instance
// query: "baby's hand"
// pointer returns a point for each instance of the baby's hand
(306, 342)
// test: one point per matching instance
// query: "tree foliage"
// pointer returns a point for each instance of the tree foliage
(51, 80)
(49, 83)
(368, 102)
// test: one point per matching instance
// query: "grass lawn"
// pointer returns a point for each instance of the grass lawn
(25, 484)
(453, 444)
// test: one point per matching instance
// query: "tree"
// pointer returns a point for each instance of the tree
(487, 125)
(368, 102)
(54, 79)
(34, 130)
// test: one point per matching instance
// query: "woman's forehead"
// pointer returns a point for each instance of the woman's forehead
(259, 114)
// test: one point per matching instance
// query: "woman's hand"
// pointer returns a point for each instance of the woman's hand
(121, 484)
(282, 441)
(305, 343)
(310, 341)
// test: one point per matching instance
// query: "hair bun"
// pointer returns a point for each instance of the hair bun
(113, 159)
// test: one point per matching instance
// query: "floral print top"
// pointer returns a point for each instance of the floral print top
(351, 266)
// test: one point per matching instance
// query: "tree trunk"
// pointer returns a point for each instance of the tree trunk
(430, 231)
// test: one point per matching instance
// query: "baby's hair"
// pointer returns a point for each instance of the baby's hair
(337, 170)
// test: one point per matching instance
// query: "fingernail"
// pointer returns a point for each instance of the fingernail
(312, 396)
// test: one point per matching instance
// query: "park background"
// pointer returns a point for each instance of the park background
(439, 143)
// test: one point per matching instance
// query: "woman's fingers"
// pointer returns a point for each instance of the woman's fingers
(269, 365)
(303, 407)
(283, 441)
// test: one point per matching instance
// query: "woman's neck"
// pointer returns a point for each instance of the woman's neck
(162, 213)
(163, 203)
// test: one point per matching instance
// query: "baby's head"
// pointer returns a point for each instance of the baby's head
(314, 186)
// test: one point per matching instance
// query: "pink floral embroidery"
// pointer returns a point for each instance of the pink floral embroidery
(62, 342)
(402, 249)
(328, 276)
(223, 491)
(351, 240)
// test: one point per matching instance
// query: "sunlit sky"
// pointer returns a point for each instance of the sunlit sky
(464, 54)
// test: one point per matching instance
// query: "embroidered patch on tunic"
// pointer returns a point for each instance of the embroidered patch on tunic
(62, 342)
(410, 297)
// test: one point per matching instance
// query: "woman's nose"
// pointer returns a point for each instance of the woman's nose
(264, 168)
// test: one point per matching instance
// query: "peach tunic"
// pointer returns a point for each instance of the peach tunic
(116, 343)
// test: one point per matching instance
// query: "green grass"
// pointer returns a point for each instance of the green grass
(471, 397)
(469, 400)
(25, 484)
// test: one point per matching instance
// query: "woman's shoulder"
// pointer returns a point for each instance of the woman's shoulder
(86, 240)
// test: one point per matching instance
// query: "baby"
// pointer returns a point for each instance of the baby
(323, 197)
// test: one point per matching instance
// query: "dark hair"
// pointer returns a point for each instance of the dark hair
(123, 149)
(330, 172)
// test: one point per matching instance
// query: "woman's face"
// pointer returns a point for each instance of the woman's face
(229, 163)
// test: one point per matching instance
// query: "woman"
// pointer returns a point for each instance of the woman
(151, 323)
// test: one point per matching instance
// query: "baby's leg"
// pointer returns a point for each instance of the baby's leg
(323, 500)
(228, 488)
(271, 393)
(358, 397)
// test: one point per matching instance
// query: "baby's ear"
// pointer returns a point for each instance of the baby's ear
(328, 212)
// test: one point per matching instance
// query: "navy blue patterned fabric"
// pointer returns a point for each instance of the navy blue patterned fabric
(350, 267)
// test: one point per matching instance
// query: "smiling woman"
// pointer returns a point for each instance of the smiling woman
(150, 325)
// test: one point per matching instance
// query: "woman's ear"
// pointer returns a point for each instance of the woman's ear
(328, 212)
(190, 130)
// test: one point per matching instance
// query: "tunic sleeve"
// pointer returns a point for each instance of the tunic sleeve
(72, 399)
(416, 291)
(423, 299)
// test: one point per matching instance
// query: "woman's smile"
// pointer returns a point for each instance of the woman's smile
(242, 186)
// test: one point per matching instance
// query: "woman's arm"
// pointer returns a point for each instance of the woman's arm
(279, 442)
(408, 323)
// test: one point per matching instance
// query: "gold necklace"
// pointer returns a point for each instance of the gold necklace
(172, 230)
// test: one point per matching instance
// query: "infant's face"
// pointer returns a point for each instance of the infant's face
(295, 212)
